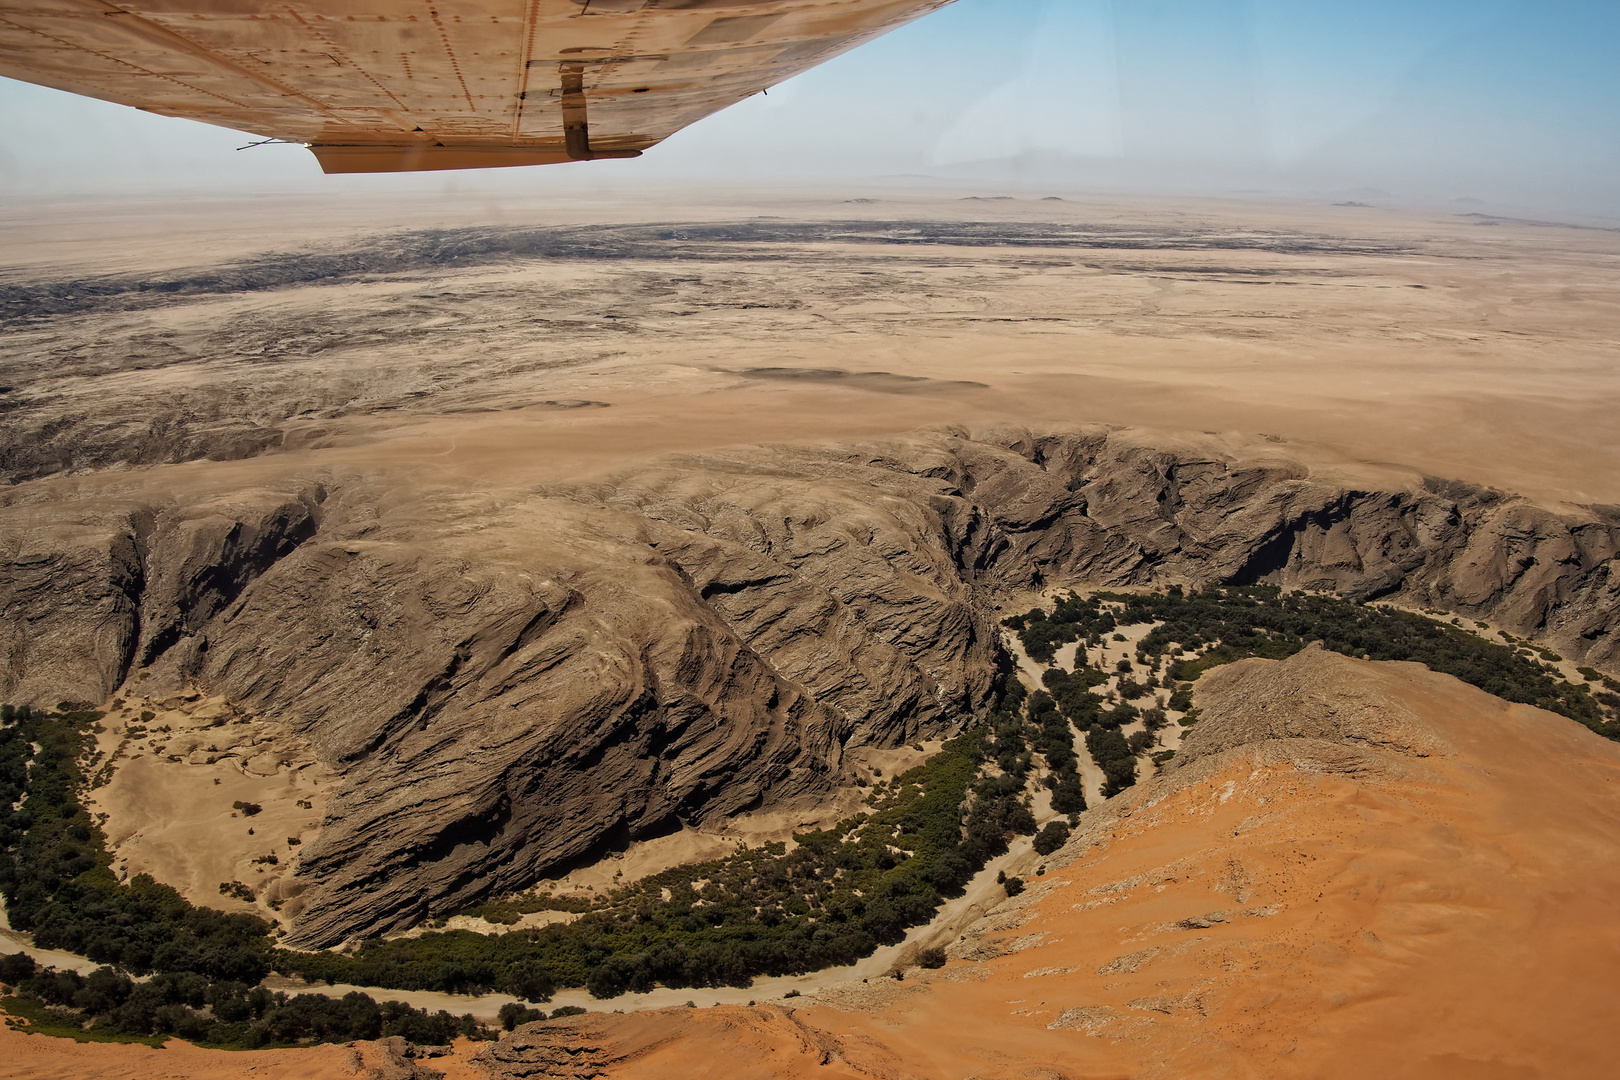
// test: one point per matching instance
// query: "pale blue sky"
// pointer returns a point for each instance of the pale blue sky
(1512, 102)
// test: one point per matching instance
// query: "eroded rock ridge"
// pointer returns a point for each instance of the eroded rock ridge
(509, 683)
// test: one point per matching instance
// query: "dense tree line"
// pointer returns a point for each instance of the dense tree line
(216, 1012)
(1075, 703)
(1074, 618)
(835, 897)
(1113, 755)
(1222, 625)
(56, 876)
(1056, 738)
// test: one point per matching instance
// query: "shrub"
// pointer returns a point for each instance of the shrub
(1069, 796)
(16, 967)
(1119, 776)
(1131, 690)
(931, 958)
(1052, 837)
(529, 981)
(512, 1014)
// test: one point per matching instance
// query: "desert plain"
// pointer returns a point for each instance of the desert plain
(369, 479)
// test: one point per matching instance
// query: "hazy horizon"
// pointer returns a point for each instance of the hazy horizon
(1506, 105)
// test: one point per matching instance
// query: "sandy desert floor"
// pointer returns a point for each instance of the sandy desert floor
(452, 350)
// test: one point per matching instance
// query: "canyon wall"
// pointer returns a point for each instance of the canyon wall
(508, 684)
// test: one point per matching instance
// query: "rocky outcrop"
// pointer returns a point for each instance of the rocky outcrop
(202, 556)
(491, 725)
(83, 441)
(1110, 510)
(88, 594)
(509, 685)
(395, 1060)
(70, 589)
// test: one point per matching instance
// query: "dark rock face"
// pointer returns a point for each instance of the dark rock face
(508, 686)
(70, 597)
(202, 558)
(1132, 515)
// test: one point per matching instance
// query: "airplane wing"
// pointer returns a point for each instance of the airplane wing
(404, 85)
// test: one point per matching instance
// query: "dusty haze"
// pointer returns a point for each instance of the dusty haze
(1459, 346)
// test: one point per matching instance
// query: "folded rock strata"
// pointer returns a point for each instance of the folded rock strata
(509, 683)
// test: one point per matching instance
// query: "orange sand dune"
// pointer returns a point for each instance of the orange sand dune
(1427, 892)
(39, 1057)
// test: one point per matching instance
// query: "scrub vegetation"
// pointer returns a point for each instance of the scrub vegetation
(833, 898)
(1220, 625)
(199, 967)
(829, 898)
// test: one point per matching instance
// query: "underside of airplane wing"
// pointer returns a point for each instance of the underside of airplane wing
(404, 85)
